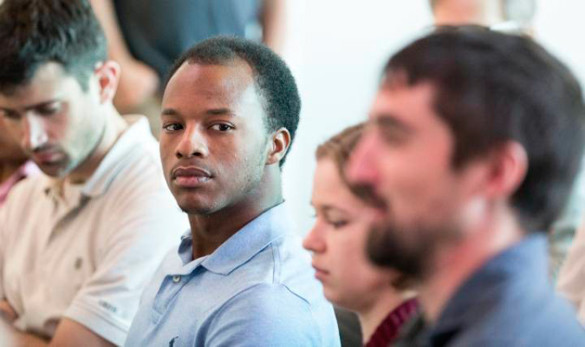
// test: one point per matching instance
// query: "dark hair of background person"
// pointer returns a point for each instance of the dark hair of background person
(35, 32)
(492, 88)
(274, 81)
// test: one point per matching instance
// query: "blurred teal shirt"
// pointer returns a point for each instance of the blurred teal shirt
(257, 289)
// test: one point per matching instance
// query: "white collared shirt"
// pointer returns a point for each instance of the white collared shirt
(86, 252)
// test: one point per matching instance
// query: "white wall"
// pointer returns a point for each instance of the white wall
(336, 49)
(560, 26)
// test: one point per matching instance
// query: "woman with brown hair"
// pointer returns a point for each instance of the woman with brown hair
(337, 241)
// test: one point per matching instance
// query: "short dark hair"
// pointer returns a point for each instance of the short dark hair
(274, 81)
(491, 88)
(35, 32)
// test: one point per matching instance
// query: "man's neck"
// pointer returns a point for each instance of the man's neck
(455, 263)
(212, 230)
(114, 126)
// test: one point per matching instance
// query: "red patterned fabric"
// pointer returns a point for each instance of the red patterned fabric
(388, 330)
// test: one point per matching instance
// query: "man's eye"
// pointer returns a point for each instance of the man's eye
(172, 127)
(49, 110)
(392, 137)
(222, 127)
(392, 134)
(10, 115)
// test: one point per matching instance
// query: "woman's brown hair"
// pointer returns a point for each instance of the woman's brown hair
(339, 149)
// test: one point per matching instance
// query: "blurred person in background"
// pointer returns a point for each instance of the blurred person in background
(567, 233)
(338, 243)
(79, 242)
(505, 15)
(516, 16)
(146, 37)
(474, 140)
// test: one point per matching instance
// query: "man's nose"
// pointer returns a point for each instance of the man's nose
(35, 134)
(361, 168)
(192, 144)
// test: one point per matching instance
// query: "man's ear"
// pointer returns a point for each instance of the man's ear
(280, 141)
(507, 171)
(108, 75)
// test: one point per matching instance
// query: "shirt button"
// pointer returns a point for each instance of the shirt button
(176, 279)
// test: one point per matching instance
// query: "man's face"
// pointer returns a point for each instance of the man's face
(405, 158)
(214, 142)
(57, 123)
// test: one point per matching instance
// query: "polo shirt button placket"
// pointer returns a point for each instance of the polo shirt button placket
(176, 279)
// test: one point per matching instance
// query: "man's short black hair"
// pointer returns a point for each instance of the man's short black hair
(35, 32)
(274, 81)
(491, 88)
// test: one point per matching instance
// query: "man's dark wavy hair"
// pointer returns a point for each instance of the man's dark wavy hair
(491, 88)
(274, 81)
(35, 32)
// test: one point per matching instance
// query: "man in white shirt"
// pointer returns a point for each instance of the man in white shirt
(78, 243)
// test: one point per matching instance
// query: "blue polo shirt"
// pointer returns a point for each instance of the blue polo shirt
(507, 302)
(256, 289)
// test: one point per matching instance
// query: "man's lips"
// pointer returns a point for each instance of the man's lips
(47, 157)
(190, 176)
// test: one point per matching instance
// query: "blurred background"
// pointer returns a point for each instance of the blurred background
(337, 48)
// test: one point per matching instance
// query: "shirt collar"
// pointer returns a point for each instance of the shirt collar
(520, 268)
(240, 247)
(112, 163)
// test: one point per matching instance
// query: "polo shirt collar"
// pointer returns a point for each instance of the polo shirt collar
(271, 225)
(114, 161)
(111, 164)
(520, 268)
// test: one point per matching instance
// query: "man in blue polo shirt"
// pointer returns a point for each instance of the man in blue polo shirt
(240, 276)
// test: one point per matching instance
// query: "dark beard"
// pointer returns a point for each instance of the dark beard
(408, 249)
(387, 249)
